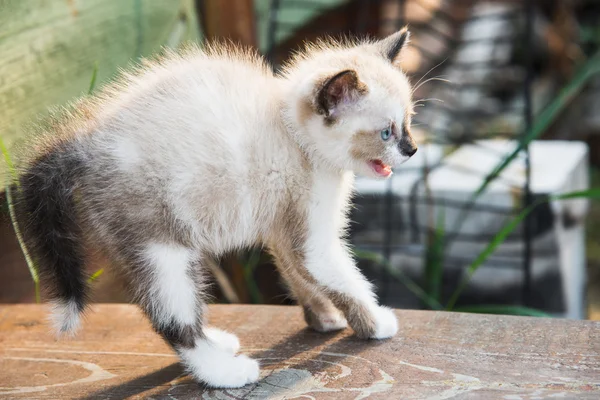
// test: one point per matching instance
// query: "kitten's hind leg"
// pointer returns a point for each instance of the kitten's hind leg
(168, 287)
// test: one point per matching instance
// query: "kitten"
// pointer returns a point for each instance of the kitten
(207, 151)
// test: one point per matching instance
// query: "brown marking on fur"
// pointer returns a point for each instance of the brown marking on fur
(286, 246)
(362, 88)
(306, 110)
(288, 237)
(366, 145)
(330, 120)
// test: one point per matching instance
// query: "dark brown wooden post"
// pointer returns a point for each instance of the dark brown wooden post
(233, 19)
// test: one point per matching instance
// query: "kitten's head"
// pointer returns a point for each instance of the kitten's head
(350, 105)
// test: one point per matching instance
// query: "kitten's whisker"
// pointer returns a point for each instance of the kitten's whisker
(428, 72)
(436, 78)
(421, 101)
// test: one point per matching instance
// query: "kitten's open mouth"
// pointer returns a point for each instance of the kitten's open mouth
(380, 168)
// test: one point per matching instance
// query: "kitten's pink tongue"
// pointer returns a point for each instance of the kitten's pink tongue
(380, 168)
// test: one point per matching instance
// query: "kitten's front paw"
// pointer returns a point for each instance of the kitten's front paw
(234, 372)
(325, 322)
(225, 340)
(386, 323)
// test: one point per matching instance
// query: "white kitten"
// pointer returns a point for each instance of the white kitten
(205, 152)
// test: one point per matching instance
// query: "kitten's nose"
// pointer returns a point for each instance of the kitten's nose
(412, 152)
(407, 146)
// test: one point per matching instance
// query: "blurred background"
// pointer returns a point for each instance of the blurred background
(506, 92)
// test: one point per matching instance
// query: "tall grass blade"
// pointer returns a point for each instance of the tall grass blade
(434, 259)
(13, 219)
(30, 264)
(506, 230)
(93, 79)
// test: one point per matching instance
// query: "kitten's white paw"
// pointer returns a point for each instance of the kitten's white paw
(331, 322)
(386, 323)
(217, 367)
(235, 372)
(225, 340)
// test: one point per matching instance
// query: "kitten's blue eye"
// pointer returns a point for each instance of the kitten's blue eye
(386, 133)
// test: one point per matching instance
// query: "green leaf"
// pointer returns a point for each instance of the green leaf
(398, 275)
(592, 194)
(506, 230)
(434, 259)
(7, 159)
(93, 80)
(503, 310)
(95, 275)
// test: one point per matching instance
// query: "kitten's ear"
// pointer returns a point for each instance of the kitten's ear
(342, 88)
(391, 46)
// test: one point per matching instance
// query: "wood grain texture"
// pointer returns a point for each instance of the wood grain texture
(435, 356)
(49, 49)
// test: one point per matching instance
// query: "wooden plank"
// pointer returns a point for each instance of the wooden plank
(435, 355)
(49, 49)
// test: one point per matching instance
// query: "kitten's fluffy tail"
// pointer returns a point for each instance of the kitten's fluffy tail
(45, 208)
